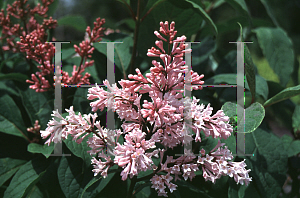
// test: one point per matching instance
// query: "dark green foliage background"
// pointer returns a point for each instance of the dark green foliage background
(272, 98)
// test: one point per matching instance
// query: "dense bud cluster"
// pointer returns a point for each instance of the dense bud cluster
(33, 43)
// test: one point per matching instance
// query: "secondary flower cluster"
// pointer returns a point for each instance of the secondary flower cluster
(21, 10)
(33, 43)
(162, 122)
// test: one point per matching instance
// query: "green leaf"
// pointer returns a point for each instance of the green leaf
(98, 183)
(67, 53)
(14, 76)
(240, 6)
(269, 11)
(43, 149)
(250, 72)
(202, 51)
(26, 177)
(8, 87)
(11, 121)
(50, 179)
(205, 16)
(294, 148)
(92, 70)
(296, 119)
(291, 146)
(76, 181)
(237, 190)
(35, 192)
(232, 190)
(74, 21)
(142, 189)
(228, 25)
(123, 53)
(101, 47)
(80, 150)
(151, 4)
(230, 142)
(191, 187)
(268, 165)
(278, 49)
(80, 101)
(37, 106)
(72, 176)
(283, 95)
(8, 167)
(220, 187)
(248, 191)
(253, 116)
(222, 78)
(261, 87)
(286, 140)
(145, 192)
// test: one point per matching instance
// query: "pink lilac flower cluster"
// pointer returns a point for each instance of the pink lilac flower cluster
(33, 43)
(162, 121)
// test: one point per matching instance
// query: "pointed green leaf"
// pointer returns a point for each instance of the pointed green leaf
(240, 6)
(72, 177)
(205, 16)
(26, 177)
(250, 72)
(76, 181)
(283, 95)
(11, 121)
(8, 167)
(35, 192)
(14, 76)
(98, 183)
(278, 50)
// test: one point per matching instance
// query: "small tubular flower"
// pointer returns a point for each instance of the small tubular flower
(132, 156)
